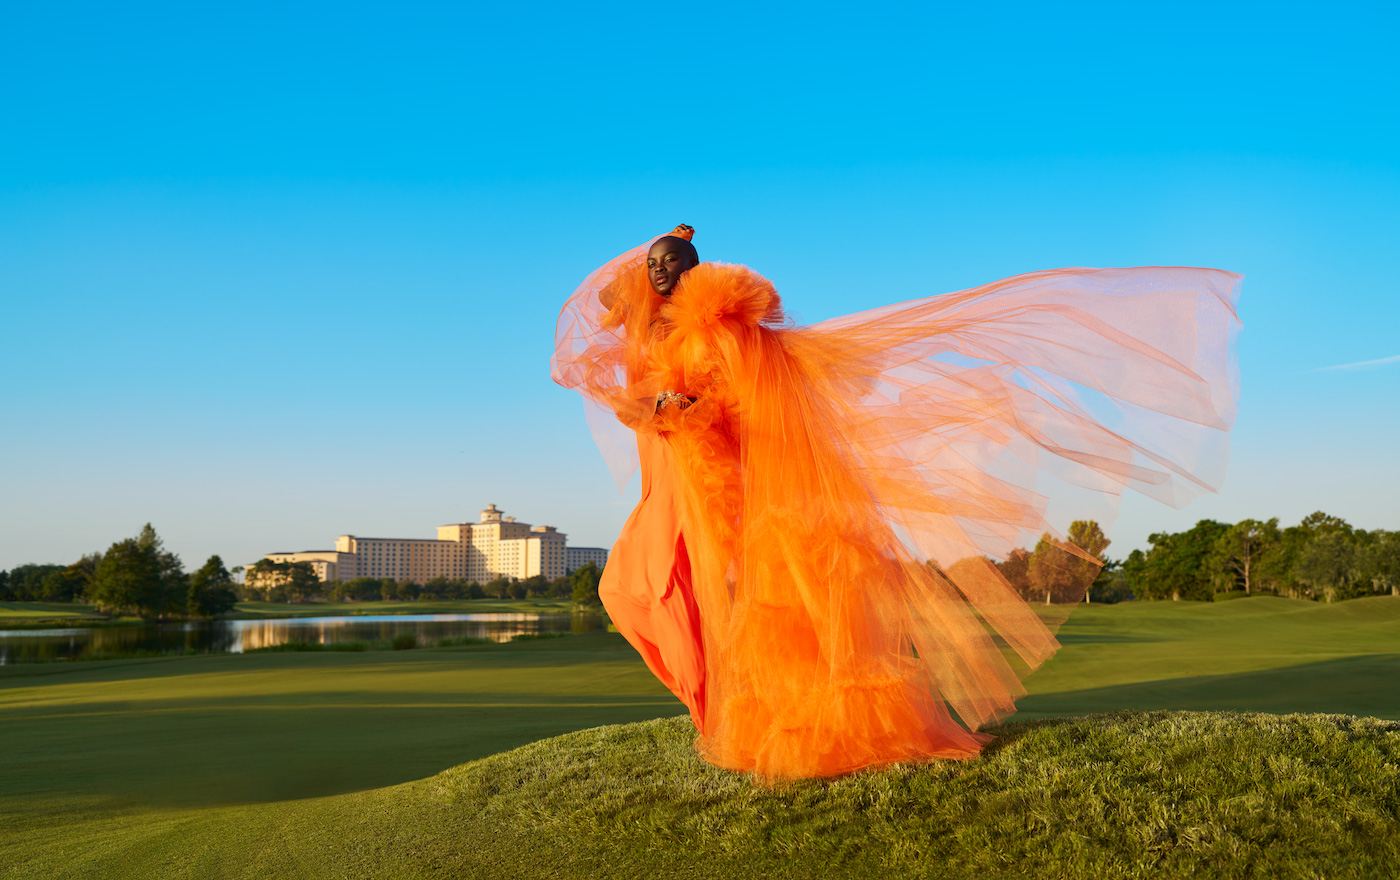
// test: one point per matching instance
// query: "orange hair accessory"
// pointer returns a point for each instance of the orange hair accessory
(681, 231)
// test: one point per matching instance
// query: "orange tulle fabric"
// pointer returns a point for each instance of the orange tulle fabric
(810, 568)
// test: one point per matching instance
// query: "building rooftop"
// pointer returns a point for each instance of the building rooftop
(414, 540)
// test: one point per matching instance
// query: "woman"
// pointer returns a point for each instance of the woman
(809, 568)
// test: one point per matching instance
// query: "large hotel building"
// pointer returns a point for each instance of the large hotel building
(497, 546)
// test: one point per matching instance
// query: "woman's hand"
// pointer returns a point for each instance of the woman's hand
(673, 398)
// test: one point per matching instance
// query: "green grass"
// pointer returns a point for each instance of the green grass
(1132, 794)
(458, 641)
(302, 647)
(43, 610)
(1263, 654)
(434, 762)
(1165, 795)
(14, 614)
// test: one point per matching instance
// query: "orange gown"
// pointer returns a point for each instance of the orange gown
(810, 567)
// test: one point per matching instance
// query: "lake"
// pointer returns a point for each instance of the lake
(236, 636)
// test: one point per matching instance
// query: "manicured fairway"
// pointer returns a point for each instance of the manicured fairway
(203, 766)
(239, 728)
(25, 611)
(1264, 654)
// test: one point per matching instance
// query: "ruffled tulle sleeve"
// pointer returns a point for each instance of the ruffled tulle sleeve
(591, 353)
(711, 318)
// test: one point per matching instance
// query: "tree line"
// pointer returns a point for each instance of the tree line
(1323, 558)
(139, 577)
(136, 576)
(297, 582)
(1051, 573)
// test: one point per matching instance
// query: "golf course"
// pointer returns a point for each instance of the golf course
(1247, 738)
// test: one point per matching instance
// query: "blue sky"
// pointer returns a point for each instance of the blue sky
(271, 273)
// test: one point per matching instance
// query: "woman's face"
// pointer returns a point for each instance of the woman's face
(666, 260)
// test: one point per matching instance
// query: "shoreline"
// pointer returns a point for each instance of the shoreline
(86, 617)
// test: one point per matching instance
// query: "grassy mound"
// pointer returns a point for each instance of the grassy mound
(1160, 795)
(1124, 795)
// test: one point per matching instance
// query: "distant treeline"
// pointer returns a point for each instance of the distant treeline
(138, 576)
(135, 576)
(297, 582)
(1050, 574)
(1322, 558)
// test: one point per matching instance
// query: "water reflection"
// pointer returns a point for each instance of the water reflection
(236, 636)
